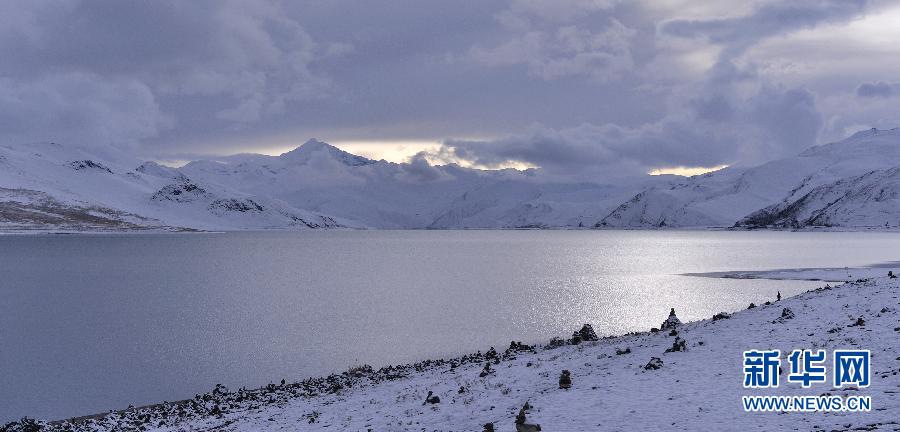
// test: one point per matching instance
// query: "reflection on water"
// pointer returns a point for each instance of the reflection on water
(96, 322)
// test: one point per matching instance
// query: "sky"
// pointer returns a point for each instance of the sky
(570, 86)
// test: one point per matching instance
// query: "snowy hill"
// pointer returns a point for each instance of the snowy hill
(47, 186)
(803, 187)
(868, 200)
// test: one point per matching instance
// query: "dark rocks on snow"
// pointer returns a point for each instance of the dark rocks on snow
(779, 296)
(491, 354)
(431, 399)
(752, 306)
(654, 363)
(235, 205)
(565, 380)
(891, 274)
(487, 370)
(585, 334)
(860, 322)
(620, 351)
(786, 314)
(721, 316)
(488, 427)
(673, 332)
(516, 347)
(671, 322)
(86, 164)
(183, 191)
(521, 425)
(678, 345)
(555, 342)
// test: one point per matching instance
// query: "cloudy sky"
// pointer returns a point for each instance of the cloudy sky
(568, 85)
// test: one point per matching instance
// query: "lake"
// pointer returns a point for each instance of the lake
(96, 322)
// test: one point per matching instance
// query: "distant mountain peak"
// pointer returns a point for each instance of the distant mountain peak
(313, 146)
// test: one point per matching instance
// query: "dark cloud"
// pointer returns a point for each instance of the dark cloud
(769, 19)
(875, 89)
(241, 60)
(588, 86)
(79, 107)
(771, 123)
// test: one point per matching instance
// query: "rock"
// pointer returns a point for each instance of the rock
(891, 274)
(752, 306)
(721, 316)
(678, 345)
(860, 322)
(515, 347)
(521, 426)
(488, 427)
(671, 322)
(586, 333)
(627, 350)
(565, 380)
(555, 342)
(673, 332)
(786, 314)
(491, 354)
(486, 370)
(431, 399)
(654, 363)
(654, 330)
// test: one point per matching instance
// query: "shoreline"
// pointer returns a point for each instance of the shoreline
(150, 230)
(608, 386)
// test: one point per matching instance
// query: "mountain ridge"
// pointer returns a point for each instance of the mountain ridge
(48, 186)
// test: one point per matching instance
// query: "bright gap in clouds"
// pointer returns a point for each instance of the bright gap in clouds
(685, 171)
(391, 151)
(403, 151)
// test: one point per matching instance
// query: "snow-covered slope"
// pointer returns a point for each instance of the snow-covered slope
(769, 191)
(47, 186)
(868, 200)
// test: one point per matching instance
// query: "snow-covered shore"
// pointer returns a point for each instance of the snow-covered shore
(612, 387)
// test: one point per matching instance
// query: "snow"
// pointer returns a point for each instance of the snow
(842, 274)
(744, 195)
(699, 388)
(852, 184)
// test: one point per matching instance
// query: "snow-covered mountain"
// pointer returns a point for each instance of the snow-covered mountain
(868, 200)
(47, 186)
(380, 194)
(847, 184)
(852, 183)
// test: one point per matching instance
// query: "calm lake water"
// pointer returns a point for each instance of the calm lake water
(95, 322)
